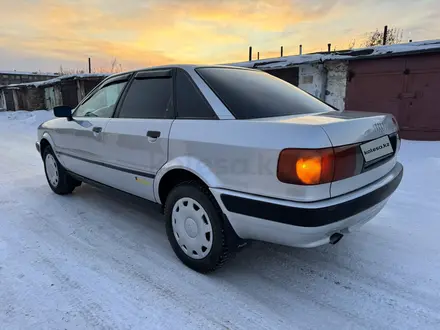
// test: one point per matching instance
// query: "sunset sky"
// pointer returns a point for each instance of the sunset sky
(44, 34)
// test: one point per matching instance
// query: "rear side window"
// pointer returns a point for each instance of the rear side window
(252, 94)
(190, 102)
(148, 98)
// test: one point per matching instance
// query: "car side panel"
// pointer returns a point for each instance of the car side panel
(137, 156)
(242, 155)
(76, 144)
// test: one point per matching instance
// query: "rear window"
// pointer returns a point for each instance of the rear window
(252, 94)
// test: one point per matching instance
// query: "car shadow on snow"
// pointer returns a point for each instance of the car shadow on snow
(258, 260)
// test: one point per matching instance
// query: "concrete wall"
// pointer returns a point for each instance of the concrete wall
(312, 79)
(327, 82)
(336, 84)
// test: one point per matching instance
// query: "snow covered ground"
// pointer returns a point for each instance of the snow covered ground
(95, 260)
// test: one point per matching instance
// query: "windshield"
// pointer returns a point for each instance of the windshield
(250, 94)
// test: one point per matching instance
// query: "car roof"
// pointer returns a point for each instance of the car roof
(181, 66)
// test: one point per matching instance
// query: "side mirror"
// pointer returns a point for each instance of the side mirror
(63, 111)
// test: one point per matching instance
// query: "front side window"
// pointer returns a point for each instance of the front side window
(102, 103)
(252, 94)
(148, 98)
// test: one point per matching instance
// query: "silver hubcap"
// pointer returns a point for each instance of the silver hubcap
(52, 170)
(192, 228)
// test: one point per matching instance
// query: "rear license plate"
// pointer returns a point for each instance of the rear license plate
(377, 148)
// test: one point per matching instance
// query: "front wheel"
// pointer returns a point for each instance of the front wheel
(59, 180)
(195, 227)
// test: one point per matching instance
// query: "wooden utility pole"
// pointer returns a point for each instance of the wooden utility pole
(258, 55)
(90, 65)
(385, 34)
(281, 51)
(329, 47)
(250, 53)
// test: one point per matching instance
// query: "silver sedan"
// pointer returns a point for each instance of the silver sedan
(230, 154)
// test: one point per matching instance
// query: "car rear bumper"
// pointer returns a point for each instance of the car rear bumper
(305, 224)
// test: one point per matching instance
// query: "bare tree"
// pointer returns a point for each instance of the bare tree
(352, 44)
(115, 67)
(64, 71)
(394, 36)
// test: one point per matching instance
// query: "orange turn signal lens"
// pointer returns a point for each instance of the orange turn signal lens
(306, 167)
(309, 170)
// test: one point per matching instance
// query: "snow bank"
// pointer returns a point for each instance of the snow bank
(96, 260)
(26, 118)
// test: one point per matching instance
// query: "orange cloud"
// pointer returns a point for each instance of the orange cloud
(151, 32)
(164, 31)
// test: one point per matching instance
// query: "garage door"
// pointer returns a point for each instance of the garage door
(407, 87)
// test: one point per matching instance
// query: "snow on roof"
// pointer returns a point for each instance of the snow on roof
(58, 79)
(353, 54)
(28, 73)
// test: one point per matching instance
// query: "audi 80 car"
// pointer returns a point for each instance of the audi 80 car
(230, 154)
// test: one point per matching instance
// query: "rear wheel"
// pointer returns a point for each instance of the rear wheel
(59, 180)
(195, 227)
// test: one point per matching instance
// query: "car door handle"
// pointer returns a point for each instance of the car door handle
(153, 134)
(97, 129)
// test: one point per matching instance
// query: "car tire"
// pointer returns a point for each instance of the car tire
(57, 177)
(196, 231)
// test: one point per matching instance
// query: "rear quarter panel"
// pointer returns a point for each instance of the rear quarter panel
(242, 155)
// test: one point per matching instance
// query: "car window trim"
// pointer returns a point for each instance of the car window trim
(106, 82)
(150, 74)
(153, 74)
(176, 104)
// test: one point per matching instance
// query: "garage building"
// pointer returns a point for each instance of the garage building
(402, 79)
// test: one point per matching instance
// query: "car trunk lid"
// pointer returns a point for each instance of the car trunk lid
(373, 136)
(376, 139)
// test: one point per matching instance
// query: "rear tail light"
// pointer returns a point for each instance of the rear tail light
(395, 122)
(312, 167)
(303, 166)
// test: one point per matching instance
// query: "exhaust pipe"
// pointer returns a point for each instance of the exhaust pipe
(335, 238)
